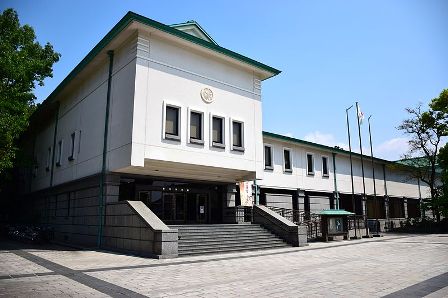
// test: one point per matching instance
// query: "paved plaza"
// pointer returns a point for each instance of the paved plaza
(394, 265)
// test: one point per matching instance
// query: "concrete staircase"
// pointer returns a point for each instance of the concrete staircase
(221, 238)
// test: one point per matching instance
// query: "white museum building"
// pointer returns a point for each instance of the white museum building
(141, 146)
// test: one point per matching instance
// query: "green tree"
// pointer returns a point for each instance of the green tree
(442, 201)
(23, 63)
(439, 106)
(427, 128)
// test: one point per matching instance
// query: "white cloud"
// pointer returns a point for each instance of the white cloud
(392, 149)
(289, 134)
(324, 139)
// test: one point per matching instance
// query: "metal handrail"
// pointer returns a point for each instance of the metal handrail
(311, 220)
(356, 222)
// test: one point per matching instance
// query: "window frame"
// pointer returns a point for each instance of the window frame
(271, 167)
(285, 170)
(60, 149)
(313, 163)
(49, 158)
(328, 169)
(190, 139)
(216, 144)
(71, 157)
(172, 137)
(233, 147)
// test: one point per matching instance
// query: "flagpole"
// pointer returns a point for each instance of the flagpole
(362, 169)
(351, 164)
(373, 176)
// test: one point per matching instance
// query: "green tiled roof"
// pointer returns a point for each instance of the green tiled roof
(133, 17)
(335, 212)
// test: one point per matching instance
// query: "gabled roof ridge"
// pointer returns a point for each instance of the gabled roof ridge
(128, 18)
(199, 27)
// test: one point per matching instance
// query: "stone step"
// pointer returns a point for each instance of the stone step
(245, 224)
(198, 239)
(231, 249)
(228, 228)
(223, 233)
(228, 237)
(229, 243)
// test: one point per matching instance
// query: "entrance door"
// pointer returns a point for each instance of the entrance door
(197, 208)
(174, 207)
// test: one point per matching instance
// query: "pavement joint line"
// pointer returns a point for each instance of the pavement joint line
(80, 277)
(217, 259)
(423, 288)
(11, 276)
(433, 243)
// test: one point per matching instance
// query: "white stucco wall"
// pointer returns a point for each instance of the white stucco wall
(82, 110)
(298, 178)
(398, 183)
(166, 73)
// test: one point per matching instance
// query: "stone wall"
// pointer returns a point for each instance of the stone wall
(132, 227)
(72, 213)
(280, 226)
(72, 210)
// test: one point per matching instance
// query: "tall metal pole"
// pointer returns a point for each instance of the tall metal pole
(373, 176)
(362, 169)
(351, 164)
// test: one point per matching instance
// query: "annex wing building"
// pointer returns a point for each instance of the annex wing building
(155, 139)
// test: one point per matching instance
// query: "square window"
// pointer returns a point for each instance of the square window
(218, 131)
(237, 136)
(268, 157)
(172, 123)
(310, 164)
(287, 164)
(196, 127)
(325, 171)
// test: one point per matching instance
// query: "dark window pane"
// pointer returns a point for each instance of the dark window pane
(196, 126)
(59, 152)
(324, 166)
(287, 158)
(218, 130)
(72, 150)
(267, 156)
(237, 134)
(172, 121)
(310, 163)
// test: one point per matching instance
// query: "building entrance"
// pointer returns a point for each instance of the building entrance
(177, 207)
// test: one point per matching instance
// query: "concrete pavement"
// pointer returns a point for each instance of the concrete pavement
(394, 265)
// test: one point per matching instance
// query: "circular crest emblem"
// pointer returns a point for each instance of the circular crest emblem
(207, 95)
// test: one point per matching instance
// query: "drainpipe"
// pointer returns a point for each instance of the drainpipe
(56, 121)
(336, 194)
(106, 131)
(386, 196)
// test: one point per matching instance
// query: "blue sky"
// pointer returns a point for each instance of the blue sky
(388, 55)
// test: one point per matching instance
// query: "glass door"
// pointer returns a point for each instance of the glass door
(174, 207)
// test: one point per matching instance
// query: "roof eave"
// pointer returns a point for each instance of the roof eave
(320, 146)
(128, 19)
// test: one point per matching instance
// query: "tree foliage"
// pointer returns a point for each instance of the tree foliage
(440, 107)
(23, 63)
(427, 129)
(442, 201)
